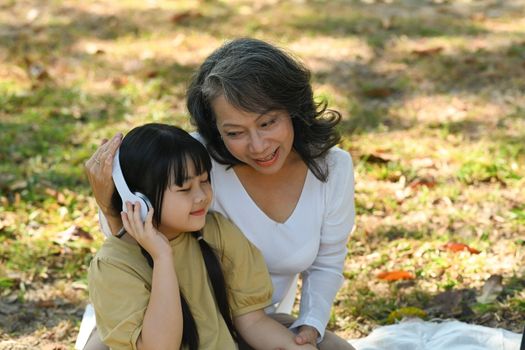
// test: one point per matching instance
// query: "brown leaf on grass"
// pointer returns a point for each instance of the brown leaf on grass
(492, 288)
(429, 182)
(38, 72)
(379, 92)
(72, 233)
(119, 82)
(395, 275)
(152, 74)
(379, 158)
(459, 247)
(59, 196)
(46, 303)
(185, 15)
(427, 51)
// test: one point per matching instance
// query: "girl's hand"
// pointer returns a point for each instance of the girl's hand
(155, 243)
(98, 169)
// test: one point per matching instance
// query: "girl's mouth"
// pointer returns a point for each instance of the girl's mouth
(199, 212)
(268, 161)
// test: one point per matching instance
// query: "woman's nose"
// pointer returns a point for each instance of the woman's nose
(257, 143)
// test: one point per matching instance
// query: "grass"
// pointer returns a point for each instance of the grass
(433, 115)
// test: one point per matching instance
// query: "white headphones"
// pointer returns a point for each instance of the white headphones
(125, 193)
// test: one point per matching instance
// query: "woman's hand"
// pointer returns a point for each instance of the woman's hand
(307, 335)
(155, 243)
(98, 169)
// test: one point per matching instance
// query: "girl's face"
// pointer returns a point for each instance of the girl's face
(262, 141)
(184, 208)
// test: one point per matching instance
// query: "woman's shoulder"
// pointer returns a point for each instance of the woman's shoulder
(337, 155)
(338, 162)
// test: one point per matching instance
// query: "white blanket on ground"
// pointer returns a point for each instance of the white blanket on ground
(416, 334)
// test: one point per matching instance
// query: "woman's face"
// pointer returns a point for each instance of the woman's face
(262, 141)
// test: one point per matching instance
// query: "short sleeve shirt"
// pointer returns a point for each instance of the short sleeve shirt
(120, 284)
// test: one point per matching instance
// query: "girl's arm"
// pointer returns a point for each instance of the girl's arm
(162, 325)
(263, 332)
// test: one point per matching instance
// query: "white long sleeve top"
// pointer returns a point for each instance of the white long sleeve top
(312, 241)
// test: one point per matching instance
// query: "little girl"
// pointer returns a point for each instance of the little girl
(184, 278)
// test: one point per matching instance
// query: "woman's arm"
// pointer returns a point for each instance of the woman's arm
(98, 169)
(262, 332)
(162, 326)
(324, 277)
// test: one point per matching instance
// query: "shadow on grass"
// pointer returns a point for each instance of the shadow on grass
(72, 24)
(452, 303)
(28, 318)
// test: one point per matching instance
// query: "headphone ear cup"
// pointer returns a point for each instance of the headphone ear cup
(125, 193)
(145, 205)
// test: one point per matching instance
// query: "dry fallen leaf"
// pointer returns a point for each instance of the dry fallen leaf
(395, 275)
(72, 233)
(458, 247)
(379, 157)
(379, 92)
(182, 16)
(427, 51)
(429, 182)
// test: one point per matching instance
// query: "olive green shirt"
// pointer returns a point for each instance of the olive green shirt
(120, 284)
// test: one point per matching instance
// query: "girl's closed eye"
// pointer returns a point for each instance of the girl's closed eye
(185, 188)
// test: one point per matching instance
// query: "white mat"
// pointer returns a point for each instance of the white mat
(86, 327)
(415, 334)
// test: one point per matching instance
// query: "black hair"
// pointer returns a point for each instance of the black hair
(256, 76)
(153, 157)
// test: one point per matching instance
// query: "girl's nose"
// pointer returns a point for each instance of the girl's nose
(200, 196)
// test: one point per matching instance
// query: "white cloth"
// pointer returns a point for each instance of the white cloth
(415, 334)
(312, 241)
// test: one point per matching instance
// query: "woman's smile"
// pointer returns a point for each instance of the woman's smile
(269, 160)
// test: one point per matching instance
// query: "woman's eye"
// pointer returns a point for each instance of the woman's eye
(233, 133)
(269, 123)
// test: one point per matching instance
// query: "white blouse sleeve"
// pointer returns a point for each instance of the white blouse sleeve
(104, 226)
(324, 277)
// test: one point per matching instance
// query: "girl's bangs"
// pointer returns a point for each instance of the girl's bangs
(179, 167)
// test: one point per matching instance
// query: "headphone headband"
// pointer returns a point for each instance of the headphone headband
(124, 191)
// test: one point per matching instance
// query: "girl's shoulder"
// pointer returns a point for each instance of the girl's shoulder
(119, 252)
(219, 229)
